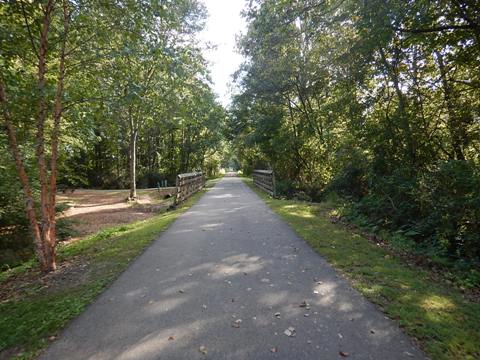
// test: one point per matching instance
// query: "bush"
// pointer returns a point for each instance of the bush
(351, 181)
(15, 241)
(450, 199)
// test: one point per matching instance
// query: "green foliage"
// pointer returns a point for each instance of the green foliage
(377, 101)
(450, 200)
(135, 79)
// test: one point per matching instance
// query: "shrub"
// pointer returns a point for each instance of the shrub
(450, 199)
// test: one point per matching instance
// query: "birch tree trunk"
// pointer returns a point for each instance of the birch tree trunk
(133, 164)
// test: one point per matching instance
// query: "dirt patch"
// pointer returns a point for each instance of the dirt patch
(93, 210)
(71, 273)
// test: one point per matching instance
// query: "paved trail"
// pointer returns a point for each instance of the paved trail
(229, 258)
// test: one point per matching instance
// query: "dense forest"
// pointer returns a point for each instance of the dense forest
(375, 101)
(99, 95)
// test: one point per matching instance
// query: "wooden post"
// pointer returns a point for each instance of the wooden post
(177, 186)
(274, 184)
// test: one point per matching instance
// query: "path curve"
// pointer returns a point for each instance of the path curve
(227, 278)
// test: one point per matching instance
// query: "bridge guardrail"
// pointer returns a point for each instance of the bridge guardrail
(188, 184)
(265, 180)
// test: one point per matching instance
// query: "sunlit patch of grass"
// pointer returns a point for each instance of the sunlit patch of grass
(28, 323)
(301, 213)
(446, 323)
(438, 303)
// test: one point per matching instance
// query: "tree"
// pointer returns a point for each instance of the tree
(367, 98)
(43, 230)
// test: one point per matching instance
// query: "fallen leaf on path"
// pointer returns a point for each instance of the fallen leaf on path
(170, 338)
(273, 350)
(236, 323)
(203, 350)
(291, 332)
(343, 353)
(181, 291)
(303, 304)
(51, 338)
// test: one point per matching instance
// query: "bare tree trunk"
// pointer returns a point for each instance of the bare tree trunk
(57, 117)
(45, 205)
(133, 155)
(133, 165)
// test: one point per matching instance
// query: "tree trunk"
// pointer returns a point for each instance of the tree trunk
(454, 123)
(392, 73)
(43, 231)
(22, 174)
(133, 164)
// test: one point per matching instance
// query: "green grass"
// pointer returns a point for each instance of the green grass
(27, 323)
(444, 321)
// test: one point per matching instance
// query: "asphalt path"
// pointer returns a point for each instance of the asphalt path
(230, 280)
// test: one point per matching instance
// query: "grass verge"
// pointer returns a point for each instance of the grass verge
(45, 305)
(444, 321)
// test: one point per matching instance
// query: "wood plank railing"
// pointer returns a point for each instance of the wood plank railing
(188, 184)
(265, 180)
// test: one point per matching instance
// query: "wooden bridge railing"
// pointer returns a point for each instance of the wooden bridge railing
(265, 180)
(188, 184)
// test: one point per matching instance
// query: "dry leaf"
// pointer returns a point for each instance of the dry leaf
(343, 353)
(290, 332)
(203, 350)
(273, 350)
(236, 323)
(170, 338)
